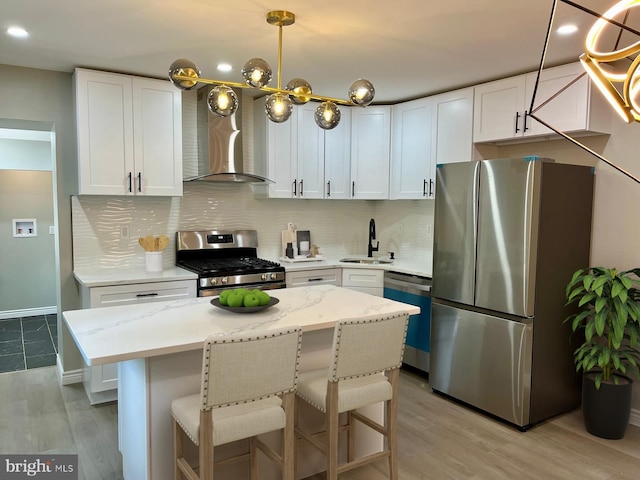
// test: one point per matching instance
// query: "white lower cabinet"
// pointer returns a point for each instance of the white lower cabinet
(315, 276)
(101, 382)
(364, 280)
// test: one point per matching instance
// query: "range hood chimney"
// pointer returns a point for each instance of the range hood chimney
(220, 155)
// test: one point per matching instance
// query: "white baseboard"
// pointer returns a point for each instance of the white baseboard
(28, 312)
(69, 377)
(635, 417)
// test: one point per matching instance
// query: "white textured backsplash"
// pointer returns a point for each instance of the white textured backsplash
(339, 228)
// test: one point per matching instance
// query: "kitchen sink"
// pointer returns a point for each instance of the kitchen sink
(367, 261)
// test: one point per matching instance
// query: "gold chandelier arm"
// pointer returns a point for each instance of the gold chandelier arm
(279, 55)
(313, 96)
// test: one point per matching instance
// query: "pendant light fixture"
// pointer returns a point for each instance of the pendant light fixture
(604, 66)
(257, 74)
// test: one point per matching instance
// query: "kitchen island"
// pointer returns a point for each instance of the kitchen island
(159, 350)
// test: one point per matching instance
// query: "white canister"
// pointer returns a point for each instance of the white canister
(153, 261)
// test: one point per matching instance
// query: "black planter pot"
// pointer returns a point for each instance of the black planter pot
(606, 411)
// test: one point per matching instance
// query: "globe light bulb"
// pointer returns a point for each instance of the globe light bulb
(278, 107)
(222, 101)
(301, 90)
(327, 115)
(185, 68)
(256, 73)
(361, 92)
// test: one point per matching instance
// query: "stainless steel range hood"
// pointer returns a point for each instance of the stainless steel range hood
(219, 140)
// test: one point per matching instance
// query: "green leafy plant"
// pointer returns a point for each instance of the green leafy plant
(609, 303)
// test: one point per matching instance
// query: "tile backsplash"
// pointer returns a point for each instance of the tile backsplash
(338, 227)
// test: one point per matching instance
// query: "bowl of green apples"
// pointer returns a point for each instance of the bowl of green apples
(241, 300)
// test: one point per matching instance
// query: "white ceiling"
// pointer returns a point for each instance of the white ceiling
(407, 48)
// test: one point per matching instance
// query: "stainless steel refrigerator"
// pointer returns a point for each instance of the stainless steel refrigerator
(508, 235)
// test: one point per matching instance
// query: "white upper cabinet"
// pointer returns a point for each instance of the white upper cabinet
(453, 132)
(502, 108)
(370, 152)
(303, 160)
(425, 133)
(129, 135)
(412, 162)
(337, 158)
(310, 158)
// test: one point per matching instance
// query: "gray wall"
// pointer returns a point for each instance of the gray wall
(43, 100)
(28, 273)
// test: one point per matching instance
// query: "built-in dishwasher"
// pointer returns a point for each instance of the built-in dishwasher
(414, 290)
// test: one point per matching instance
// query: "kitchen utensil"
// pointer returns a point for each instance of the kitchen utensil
(164, 241)
(150, 243)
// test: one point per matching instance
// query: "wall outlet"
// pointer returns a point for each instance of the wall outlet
(124, 232)
(52, 230)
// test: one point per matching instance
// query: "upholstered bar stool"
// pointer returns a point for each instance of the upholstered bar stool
(247, 389)
(366, 356)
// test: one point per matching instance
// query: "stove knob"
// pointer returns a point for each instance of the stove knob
(263, 276)
(274, 276)
(213, 281)
(224, 280)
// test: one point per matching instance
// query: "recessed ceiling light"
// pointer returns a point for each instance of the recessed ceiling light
(224, 67)
(18, 32)
(567, 29)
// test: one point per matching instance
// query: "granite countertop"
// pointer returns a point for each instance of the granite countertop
(404, 265)
(101, 277)
(113, 334)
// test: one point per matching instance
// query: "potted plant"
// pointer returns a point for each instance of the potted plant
(609, 317)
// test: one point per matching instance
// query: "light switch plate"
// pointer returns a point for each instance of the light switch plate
(52, 230)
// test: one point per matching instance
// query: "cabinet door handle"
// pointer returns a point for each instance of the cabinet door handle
(353, 189)
(431, 187)
(301, 188)
(525, 121)
(329, 188)
(141, 295)
(139, 181)
(318, 279)
(517, 121)
(424, 187)
(130, 179)
(295, 187)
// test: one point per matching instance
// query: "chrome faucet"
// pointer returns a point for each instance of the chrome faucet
(372, 235)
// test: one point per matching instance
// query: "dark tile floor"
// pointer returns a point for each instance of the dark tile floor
(28, 342)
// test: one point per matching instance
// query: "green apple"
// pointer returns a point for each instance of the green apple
(235, 299)
(251, 300)
(224, 297)
(264, 298)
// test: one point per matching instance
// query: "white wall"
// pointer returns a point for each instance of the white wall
(27, 276)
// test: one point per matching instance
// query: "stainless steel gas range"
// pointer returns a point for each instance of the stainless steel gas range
(226, 259)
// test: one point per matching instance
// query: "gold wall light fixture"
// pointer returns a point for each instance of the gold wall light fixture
(257, 73)
(600, 77)
(621, 87)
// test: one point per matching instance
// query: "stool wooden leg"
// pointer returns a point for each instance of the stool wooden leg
(253, 454)
(289, 440)
(206, 445)
(332, 431)
(177, 449)
(392, 425)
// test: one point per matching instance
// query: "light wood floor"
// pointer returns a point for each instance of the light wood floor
(438, 439)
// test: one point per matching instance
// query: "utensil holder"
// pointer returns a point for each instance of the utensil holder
(153, 261)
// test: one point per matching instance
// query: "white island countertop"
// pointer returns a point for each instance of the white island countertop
(115, 334)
